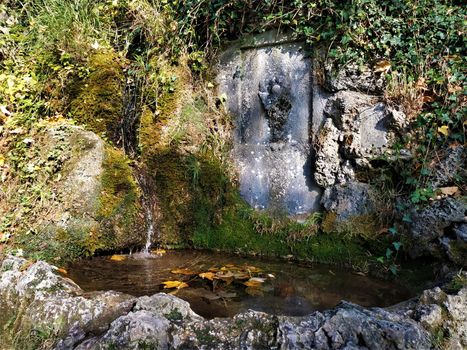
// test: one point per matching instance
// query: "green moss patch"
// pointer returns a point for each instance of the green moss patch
(98, 101)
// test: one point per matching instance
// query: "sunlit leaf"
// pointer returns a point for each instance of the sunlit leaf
(444, 130)
(449, 191)
(207, 275)
(174, 284)
(118, 257)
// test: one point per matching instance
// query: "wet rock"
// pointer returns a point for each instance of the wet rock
(346, 201)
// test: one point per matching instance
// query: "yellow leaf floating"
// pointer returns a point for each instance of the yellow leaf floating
(174, 284)
(207, 275)
(444, 130)
(254, 282)
(158, 251)
(118, 257)
(183, 272)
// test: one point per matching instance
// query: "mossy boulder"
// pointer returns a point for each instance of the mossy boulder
(86, 200)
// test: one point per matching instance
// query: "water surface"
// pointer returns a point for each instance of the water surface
(288, 288)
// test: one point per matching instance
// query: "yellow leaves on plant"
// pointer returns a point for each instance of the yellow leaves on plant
(2, 160)
(207, 275)
(174, 284)
(449, 191)
(382, 66)
(444, 130)
(183, 272)
(118, 257)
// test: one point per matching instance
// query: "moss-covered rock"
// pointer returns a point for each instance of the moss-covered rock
(97, 101)
(77, 196)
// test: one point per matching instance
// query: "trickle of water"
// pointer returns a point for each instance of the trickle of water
(150, 231)
(148, 202)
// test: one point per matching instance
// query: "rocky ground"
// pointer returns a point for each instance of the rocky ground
(42, 310)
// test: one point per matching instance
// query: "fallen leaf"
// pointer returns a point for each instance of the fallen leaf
(444, 130)
(62, 270)
(454, 88)
(382, 66)
(207, 275)
(158, 251)
(118, 257)
(421, 84)
(174, 284)
(252, 269)
(241, 276)
(183, 272)
(254, 282)
(449, 191)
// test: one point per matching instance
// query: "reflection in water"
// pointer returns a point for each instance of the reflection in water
(295, 290)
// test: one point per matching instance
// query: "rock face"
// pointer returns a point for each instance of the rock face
(272, 89)
(440, 228)
(268, 84)
(37, 301)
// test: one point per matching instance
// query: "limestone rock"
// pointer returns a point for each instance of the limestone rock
(327, 156)
(353, 77)
(430, 223)
(346, 201)
(449, 167)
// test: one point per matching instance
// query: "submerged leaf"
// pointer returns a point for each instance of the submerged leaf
(254, 291)
(174, 284)
(207, 275)
(254, 282)
(183, 272)
(118, 257)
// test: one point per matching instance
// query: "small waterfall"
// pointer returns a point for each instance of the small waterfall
(150, 229)
(149, 204)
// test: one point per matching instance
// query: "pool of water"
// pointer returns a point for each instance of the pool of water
(232, 284)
